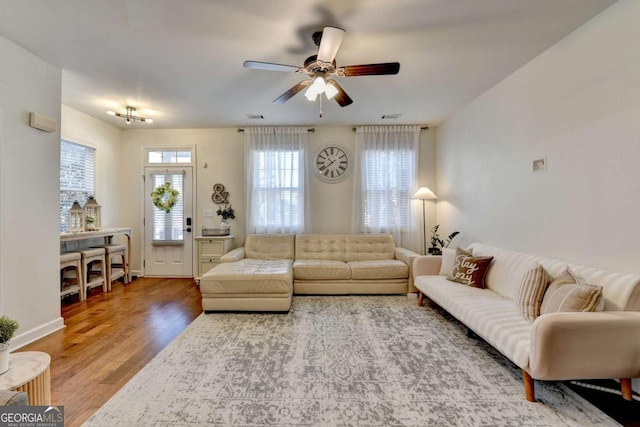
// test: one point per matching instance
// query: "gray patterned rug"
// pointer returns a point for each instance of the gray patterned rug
(337, 361)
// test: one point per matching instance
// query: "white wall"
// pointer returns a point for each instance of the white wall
(29, 188)
(107, 140)
(578, 105)
(222, 150)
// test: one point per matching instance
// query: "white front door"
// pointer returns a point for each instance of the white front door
(168, 240)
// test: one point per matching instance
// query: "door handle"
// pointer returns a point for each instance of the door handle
(188, 229)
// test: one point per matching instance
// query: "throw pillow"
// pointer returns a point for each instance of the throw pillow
(578, 297)
(448, 259)
(531, 291)
(468, 269)
(567, 277)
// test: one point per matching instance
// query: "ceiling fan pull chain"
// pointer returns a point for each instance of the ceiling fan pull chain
(320, 105)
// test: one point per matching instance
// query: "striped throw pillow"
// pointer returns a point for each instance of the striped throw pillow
(575, 298)
(567, 277)
(531, 292)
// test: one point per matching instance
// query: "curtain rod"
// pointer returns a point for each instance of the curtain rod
(422, 128)
(308, 130)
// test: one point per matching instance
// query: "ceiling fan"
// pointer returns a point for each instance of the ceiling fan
(321, 67)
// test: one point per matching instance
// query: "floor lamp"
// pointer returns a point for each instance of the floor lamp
(424, 194)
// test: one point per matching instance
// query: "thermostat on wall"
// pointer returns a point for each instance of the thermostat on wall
(38, 121)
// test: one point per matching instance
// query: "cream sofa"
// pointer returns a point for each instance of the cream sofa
(556, 346)
(263, 275)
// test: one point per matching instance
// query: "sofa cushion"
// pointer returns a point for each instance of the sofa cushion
(531, 291)
(320, 269)
(574, 297)
(508, 268)
(249, 276)
(368, 247)
(469, 270)
(379, 269)
(448, 259)
(320, 246)
(567, 277)
(269, 246)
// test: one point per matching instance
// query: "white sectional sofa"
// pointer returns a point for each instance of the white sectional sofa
(555, 346)
(263, 275)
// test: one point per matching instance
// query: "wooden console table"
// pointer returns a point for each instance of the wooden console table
(107, 234)
(29, 372)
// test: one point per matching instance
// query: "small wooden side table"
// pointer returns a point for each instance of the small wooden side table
(29, 372)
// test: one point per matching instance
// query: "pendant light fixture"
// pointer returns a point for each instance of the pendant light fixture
(130, 116)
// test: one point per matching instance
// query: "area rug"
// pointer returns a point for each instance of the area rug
(337, 361)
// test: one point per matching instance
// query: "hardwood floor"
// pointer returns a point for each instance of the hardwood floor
(111, 336)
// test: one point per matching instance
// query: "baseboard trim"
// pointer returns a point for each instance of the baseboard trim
(36, 333)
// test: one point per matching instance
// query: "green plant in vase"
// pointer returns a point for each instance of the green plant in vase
(8, 328)
(437, 243)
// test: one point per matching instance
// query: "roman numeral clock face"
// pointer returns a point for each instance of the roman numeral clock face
(332, 164)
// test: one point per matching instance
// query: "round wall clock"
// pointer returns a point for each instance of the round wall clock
(332, 164)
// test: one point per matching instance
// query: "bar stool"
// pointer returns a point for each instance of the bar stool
(71, 262)
(91, 258)
(116, 270)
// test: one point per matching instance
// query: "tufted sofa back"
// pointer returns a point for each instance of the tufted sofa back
(269, 246)
(345, 247)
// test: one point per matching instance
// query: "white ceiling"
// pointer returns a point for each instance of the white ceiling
(180, 61)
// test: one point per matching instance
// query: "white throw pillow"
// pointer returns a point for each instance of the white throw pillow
(448, 259)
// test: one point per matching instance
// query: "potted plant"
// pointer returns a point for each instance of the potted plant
(226, 213)
(437, 243)
(8, 328)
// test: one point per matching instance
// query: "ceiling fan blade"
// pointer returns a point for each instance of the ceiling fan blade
(291, 92)
(371, 69)
(330, 43)
(341, 97)
(270, 66)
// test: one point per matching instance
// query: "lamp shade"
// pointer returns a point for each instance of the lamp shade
(424, 194)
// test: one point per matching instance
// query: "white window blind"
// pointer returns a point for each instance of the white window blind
(387, 195)
(77, 177)
(167, 227)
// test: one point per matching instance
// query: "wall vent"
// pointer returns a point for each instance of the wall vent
(254, 116)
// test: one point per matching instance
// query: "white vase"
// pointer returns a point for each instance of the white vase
(4, 357)
(224, 225)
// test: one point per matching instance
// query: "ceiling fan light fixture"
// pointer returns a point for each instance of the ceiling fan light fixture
(330, 90)
(317, 88)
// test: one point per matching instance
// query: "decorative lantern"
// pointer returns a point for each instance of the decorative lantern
(76, 218)
(92, 214)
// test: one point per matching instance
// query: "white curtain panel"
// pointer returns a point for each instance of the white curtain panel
(385, 179)
(276, 179)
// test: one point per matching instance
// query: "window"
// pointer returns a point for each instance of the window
(77, 177)
(167, 226)
(386, 169)
(168, 156)
(387, 196)
(275, 190)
